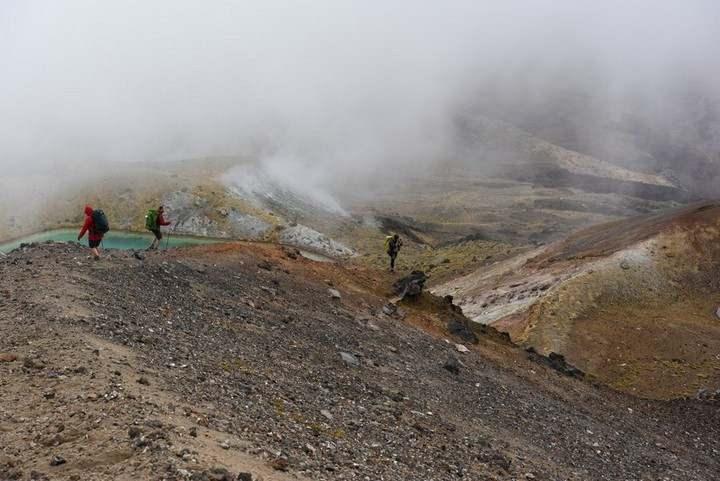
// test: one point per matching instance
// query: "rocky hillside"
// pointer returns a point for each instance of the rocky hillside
(199, 203)
(498, 183)
(248, 362)
(504, 143)
(632, 303)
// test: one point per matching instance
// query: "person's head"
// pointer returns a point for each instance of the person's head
(396, 237)
(161, 209)
(88, 210)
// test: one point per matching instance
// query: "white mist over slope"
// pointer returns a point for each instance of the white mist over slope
(283, 182)
(345, 89)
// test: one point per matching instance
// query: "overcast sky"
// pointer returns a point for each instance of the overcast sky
(319, 82)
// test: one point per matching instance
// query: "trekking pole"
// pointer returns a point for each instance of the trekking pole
(167, 239)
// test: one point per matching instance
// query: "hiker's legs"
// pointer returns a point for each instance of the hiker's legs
(94, 248)
(156, 241)
(392, 261)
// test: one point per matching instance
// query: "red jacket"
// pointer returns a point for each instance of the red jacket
(89, 226)
(161, 220)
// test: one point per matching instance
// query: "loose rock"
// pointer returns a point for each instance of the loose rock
(33, 363)
(349, 359)
(452, 365)
(6, 357)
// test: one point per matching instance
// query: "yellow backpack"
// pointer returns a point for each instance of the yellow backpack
(388, 241)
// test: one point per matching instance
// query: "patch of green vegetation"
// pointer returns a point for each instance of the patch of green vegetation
(236, 365)
(316, 428)
(338, 433)
(440, 263)
(279, 406)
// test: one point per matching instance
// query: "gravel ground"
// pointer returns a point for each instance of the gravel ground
(182, 363)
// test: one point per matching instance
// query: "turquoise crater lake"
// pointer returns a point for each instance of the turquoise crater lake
(113, 239)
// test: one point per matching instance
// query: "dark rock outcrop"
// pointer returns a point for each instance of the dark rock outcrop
(555, 361)
(411, 285)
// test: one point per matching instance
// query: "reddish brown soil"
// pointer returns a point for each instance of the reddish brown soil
(605, 239)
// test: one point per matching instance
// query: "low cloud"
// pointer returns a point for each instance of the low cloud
(345, 89)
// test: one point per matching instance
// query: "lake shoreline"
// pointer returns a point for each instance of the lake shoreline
(73, 227)
(116, 239)
(134, 240)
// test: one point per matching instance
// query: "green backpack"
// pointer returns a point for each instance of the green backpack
(151, 220)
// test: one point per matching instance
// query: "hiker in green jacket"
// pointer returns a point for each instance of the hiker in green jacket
(153, 221)
(393, 243)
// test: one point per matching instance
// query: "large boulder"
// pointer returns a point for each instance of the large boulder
(411, 285)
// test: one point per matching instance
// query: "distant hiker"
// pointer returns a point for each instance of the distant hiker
(96, 225)
(153, 221)
(393, 243)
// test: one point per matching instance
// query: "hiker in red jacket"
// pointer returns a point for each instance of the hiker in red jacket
(94, 237)
(158, 233)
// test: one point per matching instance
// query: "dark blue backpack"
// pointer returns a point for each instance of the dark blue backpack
(100, 220)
